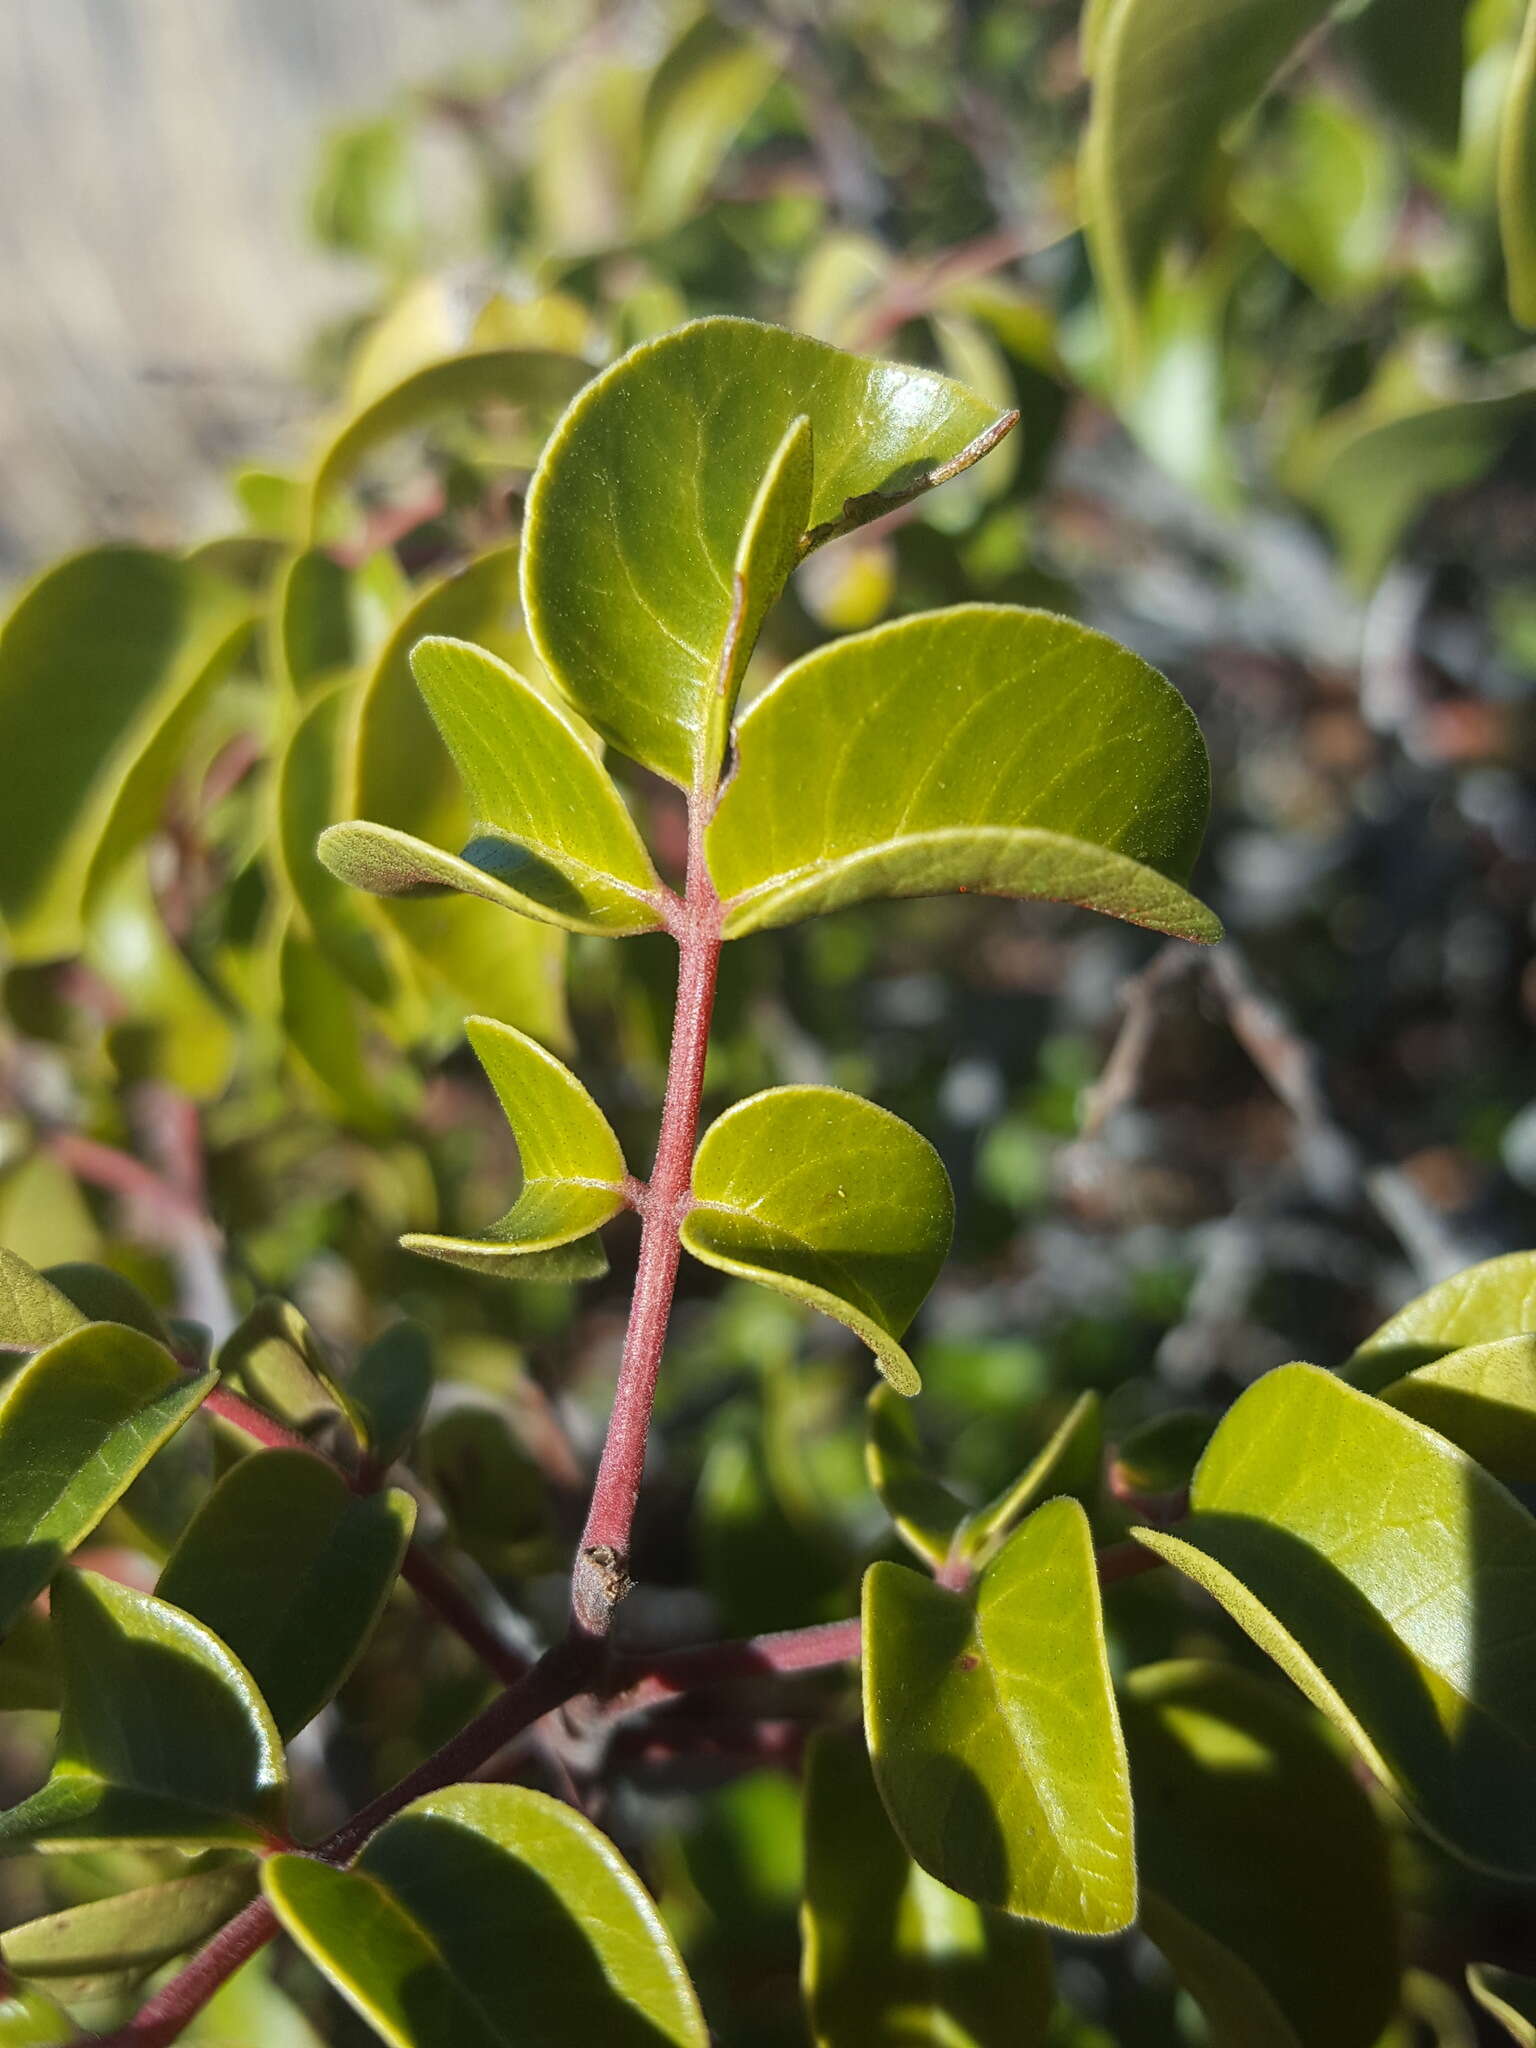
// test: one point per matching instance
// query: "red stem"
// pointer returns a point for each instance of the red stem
(175, 2006)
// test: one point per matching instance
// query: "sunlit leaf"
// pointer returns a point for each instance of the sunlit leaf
(134, 1930)
(1511, 2000)
(1391, 1578)
(1479, 1305)
(550, 837)
(562, 1944)
(892, 1958)
(1302, 1917)
(830, 1200)
(1067, 1463)
(664, 456)
(993, 1730)
(1517, 177)
(77, 1424)
(291, 1570)
(573, 1168)
(274, 1355)
(29, 2020)
(699, 96)
(173, 1028)
(33, 1312)
(985, 748)
(135, 1669)
(1484, 1399)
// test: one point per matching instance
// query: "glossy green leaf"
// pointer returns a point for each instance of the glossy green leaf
(891, 1958)
(573, 1169)
(33, 1312)
(276, 1358)
(665, 457)
(401, 775)
(562, 1944)
(1511, 2000)
(173, 1029)
(1391, 1578)
(1517, 177)
(699, 96)
(830, 1200)
(1480, 1305)
(76, 1424)
(985, 748)
(1303, 1910)
(925, 1512)
(1067, 1463)
(550, 837)
(1168, 77)
(164, 1738)
(389, 1388)
(993, 1730)
(1484, 1399)
(536, 380)
(103, 663)
(291, 1570)
(29, 2020)
(137, 1929)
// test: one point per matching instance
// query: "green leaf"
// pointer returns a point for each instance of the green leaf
(925, 1512)
(29, 2020)
(535, 380)
(1414, 60)
(103, 663)
(573, 1168)
(389, 1388)
(1261, 1858)
(1511, 2000)
(985, 748)
(993, 1730)
(1168, 76)
(830, 1200)
(494, 1495)
(291, 1570)
(173, 1028)
(1480, 1305)
(562, 1944)
(891, 1957)
(136, 1930)
(699, 97)
(551, 836)
(665, 457)
(164, 1738)
(1517, 176)
(1391, 1578)
(323, 1024)
(33, 1312)
(401, 775)
(1067, 1463)
(1484, 1399)
(76, 1424)
(29, 1671)
(102, 1296)
(280, 1362)
(1159, 1456)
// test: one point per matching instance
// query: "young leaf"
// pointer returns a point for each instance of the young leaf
(1483, 1398)
(890, 1956)
(102, 663)
(1391, 1578)
(993, 1731)
(135, 1930)
(1477, 1306)
(1517, 177)
(551, 836)
(925, 1512)
(280, 1362)
(1302, 1920)
(573, 1168)
(164, 1739)
(33, 1312)
(1168, 76)
(489, 1916)
(291, 1570)
(77, 1423)
(665, 456)
(830, 1200)
(985, 748)
(389, 1389)
(1067, 1463)
(1511, 2000)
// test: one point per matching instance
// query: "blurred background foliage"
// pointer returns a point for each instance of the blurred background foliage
(1280, 438)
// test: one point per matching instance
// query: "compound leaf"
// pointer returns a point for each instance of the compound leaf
(1304, 1913)
(561, 1943)
(77, 1423)
(550, 835)
(163, 1739)
(891, 1956)
(573, 1167)
(985, 748)
(291, 1570)
(830, 1200)
(634, 537)
(136, 1930)
(993, 1731)
(1391, 1578)
(1511, 2000)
